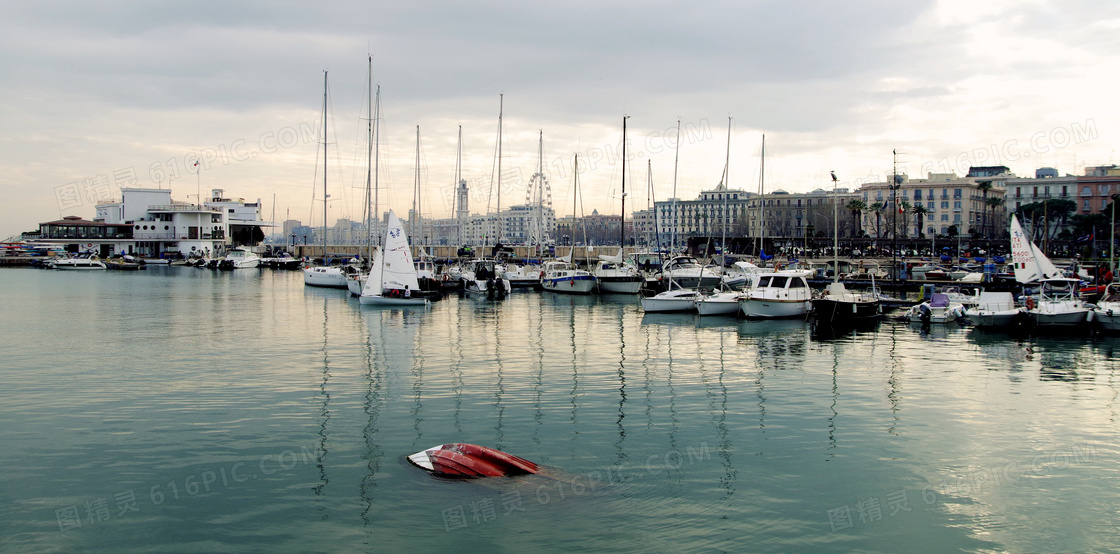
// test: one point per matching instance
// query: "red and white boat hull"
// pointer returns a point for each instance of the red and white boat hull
(470, 460)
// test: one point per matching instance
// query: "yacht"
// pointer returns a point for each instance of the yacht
(691, 274)
(617, 278)
(1107, 312)
(778, 294)
(938, 309)
(1058, 305)
(79, 262)
(994, 310)
(240, 258)
(562, 276)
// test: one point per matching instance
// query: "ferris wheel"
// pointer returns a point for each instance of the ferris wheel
(538, 191)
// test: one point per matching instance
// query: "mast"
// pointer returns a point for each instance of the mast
(538, 235)
(376, 162)
(367, 209)
(575, 196)
(458, 177)
(649, 194)
(762, 198)
(835, 234)
(622, 239)
(726, 178)
(501, 108)
(415, 191)
(676, 159)
(324, 168)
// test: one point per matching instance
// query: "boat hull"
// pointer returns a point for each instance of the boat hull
(578, 284)
(1060, 319)
(841, 312)
(329, 279)
(713, 306)
(393, 302)
(670, 301)
(620, 285)
(770, 308)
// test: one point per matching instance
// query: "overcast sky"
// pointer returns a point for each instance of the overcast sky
(100, 94)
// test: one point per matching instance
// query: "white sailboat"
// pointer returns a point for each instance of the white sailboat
(1058, 304)
(324, 275)
(392, 277)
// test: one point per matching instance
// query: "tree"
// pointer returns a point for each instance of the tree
(993, 203)
(856, 206)
(877, 209)
(919, 212)
(984, 187)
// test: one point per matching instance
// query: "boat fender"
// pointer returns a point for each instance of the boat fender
(446, 277)
(1030, 303)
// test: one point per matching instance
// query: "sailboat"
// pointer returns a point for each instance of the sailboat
(838, 306)
(355, 280)
(561, 275)
(1058, 304)
(392, 277)
(324, 275)
(612, 273)
(725, 301)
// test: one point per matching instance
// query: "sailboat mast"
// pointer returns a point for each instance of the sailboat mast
(652, 202)
(324, 167)
(835, 232)
(376, 162)
(725, 179)
(622, 239)
(368, 210)
(676, 160)
(415, 191)
(762, 197)
(458, 180)
(501, 108)
(538, 234)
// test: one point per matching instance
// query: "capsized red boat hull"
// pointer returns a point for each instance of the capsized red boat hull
(470, 460)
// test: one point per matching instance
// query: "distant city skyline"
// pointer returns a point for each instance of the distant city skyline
(103, 95)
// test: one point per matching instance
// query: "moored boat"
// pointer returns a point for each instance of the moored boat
(1107, 311)
(778, 294)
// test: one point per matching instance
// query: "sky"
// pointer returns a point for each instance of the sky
(100, 95)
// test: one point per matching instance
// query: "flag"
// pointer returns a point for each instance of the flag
(900, 208)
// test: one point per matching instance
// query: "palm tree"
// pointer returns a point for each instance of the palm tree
(919, 212)
(856, 206)
(984, 187)
(877, 209)
(993, 203)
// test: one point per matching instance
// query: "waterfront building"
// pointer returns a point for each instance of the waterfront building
(147, 222)
(952, 205)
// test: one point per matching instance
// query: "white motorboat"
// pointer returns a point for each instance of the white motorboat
(994, 310)
(240, 258)
(778, 294)
(673, 300)
(392, 276)
(562, 276)
(1107, 312)
(332, 276)
(741, 275)
(483, 276)
(1058, 305)
(691, 274)
(79, 262)
(616, 277)
(938, 309)
(725, 302)
(522, 276)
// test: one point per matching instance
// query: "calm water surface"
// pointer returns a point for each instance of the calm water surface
(179, 409)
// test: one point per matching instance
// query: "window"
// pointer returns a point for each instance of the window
(944, 205)
(957, 205)
(929, 205)
(930, 195)
(956, 193)
(944, 217)
(956, 218)
(1064, 191)
(1085, 206)
(1085, 192)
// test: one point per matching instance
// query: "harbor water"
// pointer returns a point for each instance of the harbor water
(179, 409)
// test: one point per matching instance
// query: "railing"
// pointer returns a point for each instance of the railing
(183, 208)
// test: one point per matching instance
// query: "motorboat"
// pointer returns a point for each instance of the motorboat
(240, 258)
(724, 302)
(331, 276)
(691, 274)
(1058, 305)
(392, 277)
(994, 310)
(562, 276)
(778, 294)
(838, 306)
(1107, 311)
(616, 277)
(937, 309)
(79, 262)
(675, 299)
(741, 275)
(483, 277)
(522, 276)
